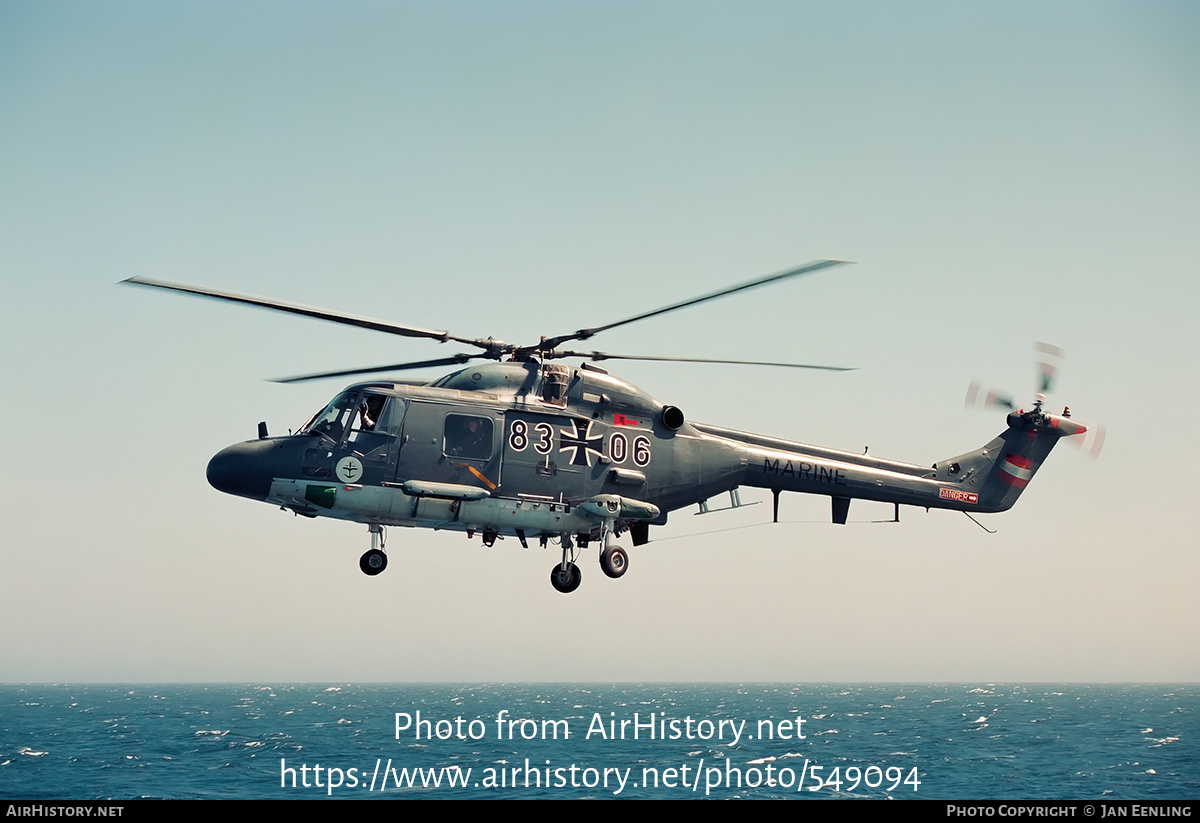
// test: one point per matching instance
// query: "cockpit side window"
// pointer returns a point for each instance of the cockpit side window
(367, 413)
(373, 422)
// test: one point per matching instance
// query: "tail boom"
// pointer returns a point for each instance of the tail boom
(988, 479)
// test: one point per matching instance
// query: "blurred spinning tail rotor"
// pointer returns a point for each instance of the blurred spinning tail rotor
(1049, 360)
(1091, 442)
(977, 395)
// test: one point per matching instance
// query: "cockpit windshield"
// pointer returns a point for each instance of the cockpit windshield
(360, 412)
(331, 420)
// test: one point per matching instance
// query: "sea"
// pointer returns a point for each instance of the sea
(575, 741)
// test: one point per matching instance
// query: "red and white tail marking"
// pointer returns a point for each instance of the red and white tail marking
(1017, 470)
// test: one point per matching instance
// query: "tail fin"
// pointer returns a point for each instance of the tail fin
(991, 479)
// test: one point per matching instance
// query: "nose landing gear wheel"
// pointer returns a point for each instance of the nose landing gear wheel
(614, 561)
(565, 580)
(372, 562)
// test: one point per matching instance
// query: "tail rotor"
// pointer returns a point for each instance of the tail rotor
(1091, 442)
(979, 396)
(1050, 359)
(1091, 436)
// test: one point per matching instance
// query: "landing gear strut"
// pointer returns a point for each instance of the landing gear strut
(565, 577)
(374, 560)
(614, 561)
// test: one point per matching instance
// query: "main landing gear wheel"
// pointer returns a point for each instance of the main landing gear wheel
(565, 580)
(372, 562)
(614, 561)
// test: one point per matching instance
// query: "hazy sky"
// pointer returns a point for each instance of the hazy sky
(1001, 173)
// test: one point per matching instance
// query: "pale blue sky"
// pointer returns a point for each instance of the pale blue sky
(1001, 173)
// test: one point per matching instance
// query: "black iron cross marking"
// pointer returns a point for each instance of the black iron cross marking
(582, 443)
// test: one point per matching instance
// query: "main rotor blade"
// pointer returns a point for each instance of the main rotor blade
(584, 334)
(308, 311)
(599, 355)
(456, 360)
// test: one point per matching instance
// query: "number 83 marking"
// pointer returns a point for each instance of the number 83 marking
(518, 437)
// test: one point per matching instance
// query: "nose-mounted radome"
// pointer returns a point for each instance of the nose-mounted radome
(243, 469)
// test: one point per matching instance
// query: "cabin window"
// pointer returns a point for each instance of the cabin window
(468, 436)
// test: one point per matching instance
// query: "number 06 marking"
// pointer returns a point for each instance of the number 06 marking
(641, 451)
(618, 448)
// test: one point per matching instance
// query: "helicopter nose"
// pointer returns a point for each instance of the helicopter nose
(242, 469)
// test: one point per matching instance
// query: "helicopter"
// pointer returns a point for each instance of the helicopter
(526, 447)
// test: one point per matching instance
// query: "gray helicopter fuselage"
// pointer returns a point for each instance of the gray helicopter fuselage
(541, 450)
(500, 447)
